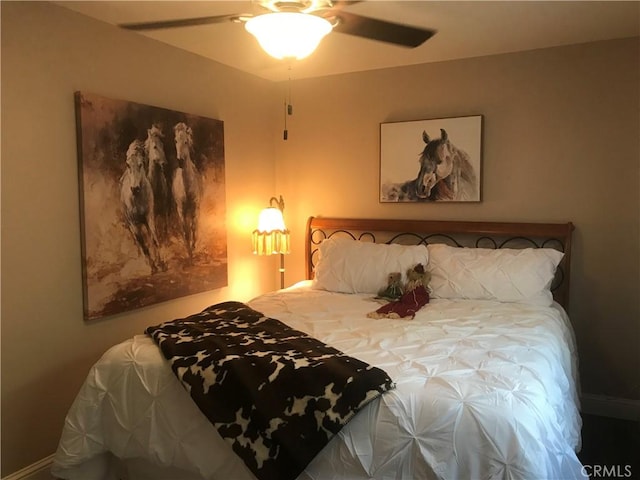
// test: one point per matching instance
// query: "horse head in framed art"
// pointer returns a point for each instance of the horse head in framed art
(445, 174)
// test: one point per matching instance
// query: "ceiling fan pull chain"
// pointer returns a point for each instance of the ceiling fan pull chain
(288, 107)
(285, 134)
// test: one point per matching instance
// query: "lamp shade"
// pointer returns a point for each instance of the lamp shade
(271, 219)
(288, 34)
(271, 236)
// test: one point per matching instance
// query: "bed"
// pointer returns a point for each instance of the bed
(485, 374)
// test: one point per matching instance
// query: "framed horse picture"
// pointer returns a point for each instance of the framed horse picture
(152, 199)
(431, 160)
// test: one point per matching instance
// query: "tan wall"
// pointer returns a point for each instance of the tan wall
(560, 143)
(47, 54)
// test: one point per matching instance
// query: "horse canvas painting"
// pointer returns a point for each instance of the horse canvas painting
(431, 160)
(152, 197)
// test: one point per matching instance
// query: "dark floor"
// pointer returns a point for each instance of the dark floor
(610, 447)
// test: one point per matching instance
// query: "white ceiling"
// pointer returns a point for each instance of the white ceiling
(465, 29)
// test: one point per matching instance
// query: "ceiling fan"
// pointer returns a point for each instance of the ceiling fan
(328, 12)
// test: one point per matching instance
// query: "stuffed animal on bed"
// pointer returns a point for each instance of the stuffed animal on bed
(394, 289)
(415, 297)
(417, 276)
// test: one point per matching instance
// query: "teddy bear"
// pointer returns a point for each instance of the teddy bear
(416, 295)
(393, 290)
(417, 276)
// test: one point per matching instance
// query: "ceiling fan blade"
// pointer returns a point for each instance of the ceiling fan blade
(403, 35)
(184, 22)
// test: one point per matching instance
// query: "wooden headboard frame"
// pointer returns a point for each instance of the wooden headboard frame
(461, 234)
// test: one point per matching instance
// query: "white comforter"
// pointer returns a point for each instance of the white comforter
(484, 390)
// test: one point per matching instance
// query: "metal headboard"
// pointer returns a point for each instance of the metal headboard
(459, 234)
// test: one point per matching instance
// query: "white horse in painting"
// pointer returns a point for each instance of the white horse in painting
(186, 186)
(136, 197)
(158, 179)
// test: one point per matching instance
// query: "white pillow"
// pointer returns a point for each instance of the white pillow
(353, 266)
(506, 275)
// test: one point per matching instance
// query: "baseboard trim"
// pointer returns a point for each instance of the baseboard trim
(622, 408)
(35, 471)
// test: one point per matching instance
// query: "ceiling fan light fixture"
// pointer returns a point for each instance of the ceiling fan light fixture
(288, 34)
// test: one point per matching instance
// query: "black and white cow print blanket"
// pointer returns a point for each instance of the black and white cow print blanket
(275, 394)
